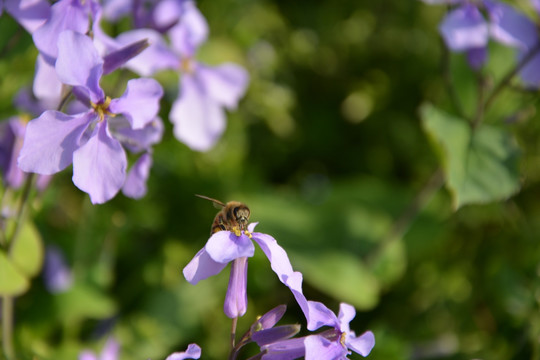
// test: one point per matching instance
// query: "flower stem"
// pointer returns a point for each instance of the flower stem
(7, 327)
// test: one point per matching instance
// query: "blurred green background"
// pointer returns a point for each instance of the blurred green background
(328, 151)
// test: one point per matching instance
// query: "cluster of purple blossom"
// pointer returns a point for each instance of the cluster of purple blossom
(470, 25)
(94, 131)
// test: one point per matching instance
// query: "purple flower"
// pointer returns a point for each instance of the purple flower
(57, 275)
(198, 114)
(31, 14)
(192, 352)
(110, 352)
(226, 246)
(91, 140)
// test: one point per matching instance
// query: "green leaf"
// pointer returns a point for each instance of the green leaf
(342, 275)
(391, 263)
(12, 282)
(480, 166)
(83, 301)
(27, 250)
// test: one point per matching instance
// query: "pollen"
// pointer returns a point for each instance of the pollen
(236, 231)
(342, 339)
(186, 65)
(102, 109)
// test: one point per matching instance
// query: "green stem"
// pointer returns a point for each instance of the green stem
(19, 220)
(7, 327)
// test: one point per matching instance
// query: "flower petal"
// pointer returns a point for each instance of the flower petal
(140, 102)
(31, 14)
(464, 28)
(79, 63)
(193, 352)
(345, 316)
(361, 344)
(99, 166)
(236, 297)
(198, 120)
(136, 140)
(56, 274)
(225, 83)
(272, 335)
(65, 15)
(224, 246)
(110, 350)
(510, 27)
(51, 140)
(279, 260)
(530, 73)
(320, 348)
(190, 32)
(202, 266)
(135, 185)
(47, 86)
(294, 282)
(285, 350)
(320, 315)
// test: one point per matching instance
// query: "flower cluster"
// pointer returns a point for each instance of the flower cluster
(470, 25)
(96, 131)
(236, 247)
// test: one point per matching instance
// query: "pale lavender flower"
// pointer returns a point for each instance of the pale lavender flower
(56, 274)
(110, 352)
(158, 15)
(31, 14)
(91, 140)
(198, 114)
(192, 352)
(224, 247)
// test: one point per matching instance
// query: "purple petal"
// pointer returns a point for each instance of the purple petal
(79, 63)
(269, 319)
(99, 166)
(272, 335)
(65, 15)
(320, 315)
(251, 226)
(135, 185)
(202, 266)
(115, 9)
(361, 344)
(190, 32)
(530, 73)
(477, 57)
(285, 350)
(510, 27)
(140, 102)
(345, 316)
(464, 28)
(156, 57)
(136, 140)
(536, 5)
(236, 298)
(294, 282)
(118, 58)
(47, 86)
(193, 352)
(198, 120)
(51, 140)
(87, 355)
(110, 350)
(31, 14)
(167, 13)
(224, 246)
(279, 260)
(56, 273)
(225, 83)
(319, 348)
(25, 101)
(11, 140)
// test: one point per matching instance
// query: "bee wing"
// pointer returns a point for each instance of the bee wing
(217, 203)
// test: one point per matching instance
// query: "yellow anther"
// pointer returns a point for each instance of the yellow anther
(103, 109)
(342, 339)
(186, 65)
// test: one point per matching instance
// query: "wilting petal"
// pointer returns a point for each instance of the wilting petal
(99, 166)
(225, 83)
(51, 140)
(464, 28)
(65, 15)
(31, 14)
(199, 121)
(279, 260)
(79, 63)
(236, 298)
(346, 314)
(224, 246)
(140, 102)
(135, 186)
(361, 344)
(285, 350)
(202, 266)
(47, 86)
(320, 348)
(510, 27)
(320, 315)
(190, 32)
(156, 57)
(193, 352)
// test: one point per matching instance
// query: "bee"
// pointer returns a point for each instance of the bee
(233, 216)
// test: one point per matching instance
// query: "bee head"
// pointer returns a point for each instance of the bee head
(241, 213)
